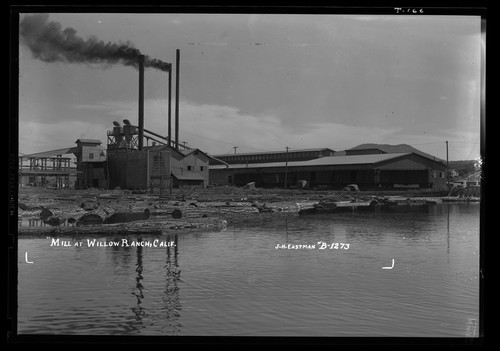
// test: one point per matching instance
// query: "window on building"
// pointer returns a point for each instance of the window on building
(189, 168)
(91, 156)
(201, 168)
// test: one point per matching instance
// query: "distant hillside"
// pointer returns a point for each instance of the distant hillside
(462, 167)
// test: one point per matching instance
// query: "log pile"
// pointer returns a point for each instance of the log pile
(153, 227)
(125, 211)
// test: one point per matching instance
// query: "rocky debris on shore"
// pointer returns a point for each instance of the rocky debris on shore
(93, 213)
(154, 227)
(369, 203)
(128, 211)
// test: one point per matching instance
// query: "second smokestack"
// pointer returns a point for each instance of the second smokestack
(177, 71)
(141, 102)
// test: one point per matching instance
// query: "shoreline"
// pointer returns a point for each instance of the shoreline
(44, 212)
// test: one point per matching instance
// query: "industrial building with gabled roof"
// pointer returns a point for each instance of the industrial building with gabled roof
(274, 156)
(370, 148)
(368, 171)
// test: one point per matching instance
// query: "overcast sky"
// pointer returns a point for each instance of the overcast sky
(264, 82)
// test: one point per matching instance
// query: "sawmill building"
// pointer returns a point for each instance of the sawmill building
(375, 168)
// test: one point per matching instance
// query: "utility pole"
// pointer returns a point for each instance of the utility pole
(447, 165)
(286, 167)
(235, 147)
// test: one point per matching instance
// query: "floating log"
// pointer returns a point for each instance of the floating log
(53, 221)
(90, 218)
(46, 213)
(200, 211)
(61, 213)
(30, 212)
(325, 205)
(152, 227)
(124, 217)
(460, 199)
(164, 212)
(400, 201)
(217, 211)
(356, 204)
(339, 206)
(89, 205)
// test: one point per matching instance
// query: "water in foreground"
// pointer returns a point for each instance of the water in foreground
(251, 282)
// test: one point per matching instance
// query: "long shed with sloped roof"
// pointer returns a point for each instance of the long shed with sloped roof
(384, 170)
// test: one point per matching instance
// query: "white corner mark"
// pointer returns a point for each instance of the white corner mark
(391, 267)
(26, 256)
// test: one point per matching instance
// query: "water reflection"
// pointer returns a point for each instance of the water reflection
(138, 291)
(43, 222)
(354, 232)
(448, 233)
(170, 295)
(166, 315)
(121, 256)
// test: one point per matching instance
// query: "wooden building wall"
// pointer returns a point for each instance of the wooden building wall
(92, 153)
(127, 169)
(410, 169)
(196, 164)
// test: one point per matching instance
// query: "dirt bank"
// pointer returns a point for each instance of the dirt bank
(94, 211)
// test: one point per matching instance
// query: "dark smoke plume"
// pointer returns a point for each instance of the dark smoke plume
(50, 43)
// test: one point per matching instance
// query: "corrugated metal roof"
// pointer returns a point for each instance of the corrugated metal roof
(274, 152)
(394, 149)
(173, 151)
(323, 161)
(91, 141)
(188, 152)
(52, 153)
(187, 176)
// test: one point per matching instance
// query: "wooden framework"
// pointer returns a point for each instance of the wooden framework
(42, 167)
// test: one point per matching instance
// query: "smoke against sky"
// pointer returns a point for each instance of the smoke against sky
(50, 43)
(263, 82)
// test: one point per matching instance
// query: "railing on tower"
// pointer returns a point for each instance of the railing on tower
(123, 137)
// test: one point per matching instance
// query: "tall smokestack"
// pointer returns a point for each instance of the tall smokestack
(141, 101)
(177, 71)
(170, 106)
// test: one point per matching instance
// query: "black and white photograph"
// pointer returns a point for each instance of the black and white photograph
(243, 174)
